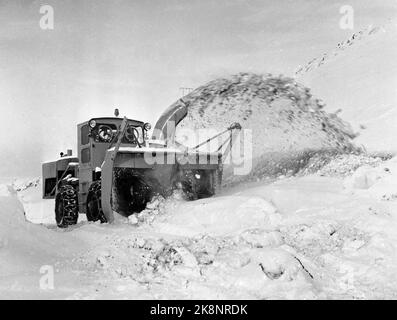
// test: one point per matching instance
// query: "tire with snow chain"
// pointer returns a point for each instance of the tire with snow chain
(66, 206)
(94, 207)
(198, 184)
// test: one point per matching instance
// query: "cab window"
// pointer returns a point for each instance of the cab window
(85, 155)
(85, 130)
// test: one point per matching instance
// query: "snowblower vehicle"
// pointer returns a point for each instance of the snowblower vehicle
(119, 169)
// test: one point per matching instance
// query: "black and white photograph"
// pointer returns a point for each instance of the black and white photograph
(198, 150)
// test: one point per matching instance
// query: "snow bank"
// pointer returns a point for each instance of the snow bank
(15, 242)
(23, 245)
(11, 209)
(38, 210)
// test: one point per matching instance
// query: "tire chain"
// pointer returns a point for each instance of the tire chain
(70, 206)
(96, 189)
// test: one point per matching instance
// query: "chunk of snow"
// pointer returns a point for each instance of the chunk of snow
(132, 219)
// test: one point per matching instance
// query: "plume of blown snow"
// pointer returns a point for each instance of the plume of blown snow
(285, 120)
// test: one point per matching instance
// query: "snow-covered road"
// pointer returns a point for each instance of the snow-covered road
(310, 237)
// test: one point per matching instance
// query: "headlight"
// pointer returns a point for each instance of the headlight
(147, 126)
(92, 123)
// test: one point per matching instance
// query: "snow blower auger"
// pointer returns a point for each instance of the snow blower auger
(119, 169)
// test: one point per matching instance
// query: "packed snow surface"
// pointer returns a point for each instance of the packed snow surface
(326, 235)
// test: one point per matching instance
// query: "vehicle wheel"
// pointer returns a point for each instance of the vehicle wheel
(94, 207)
(198, 184)
(66, 206)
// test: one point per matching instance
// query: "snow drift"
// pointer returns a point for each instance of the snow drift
(21, 242)
(25, 248)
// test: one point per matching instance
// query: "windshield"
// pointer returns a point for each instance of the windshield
(107, 132)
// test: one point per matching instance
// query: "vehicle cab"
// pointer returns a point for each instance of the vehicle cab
(95, 137)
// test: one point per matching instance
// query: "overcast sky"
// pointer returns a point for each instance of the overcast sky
(135, 55)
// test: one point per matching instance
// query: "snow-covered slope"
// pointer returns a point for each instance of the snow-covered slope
(360, 77)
